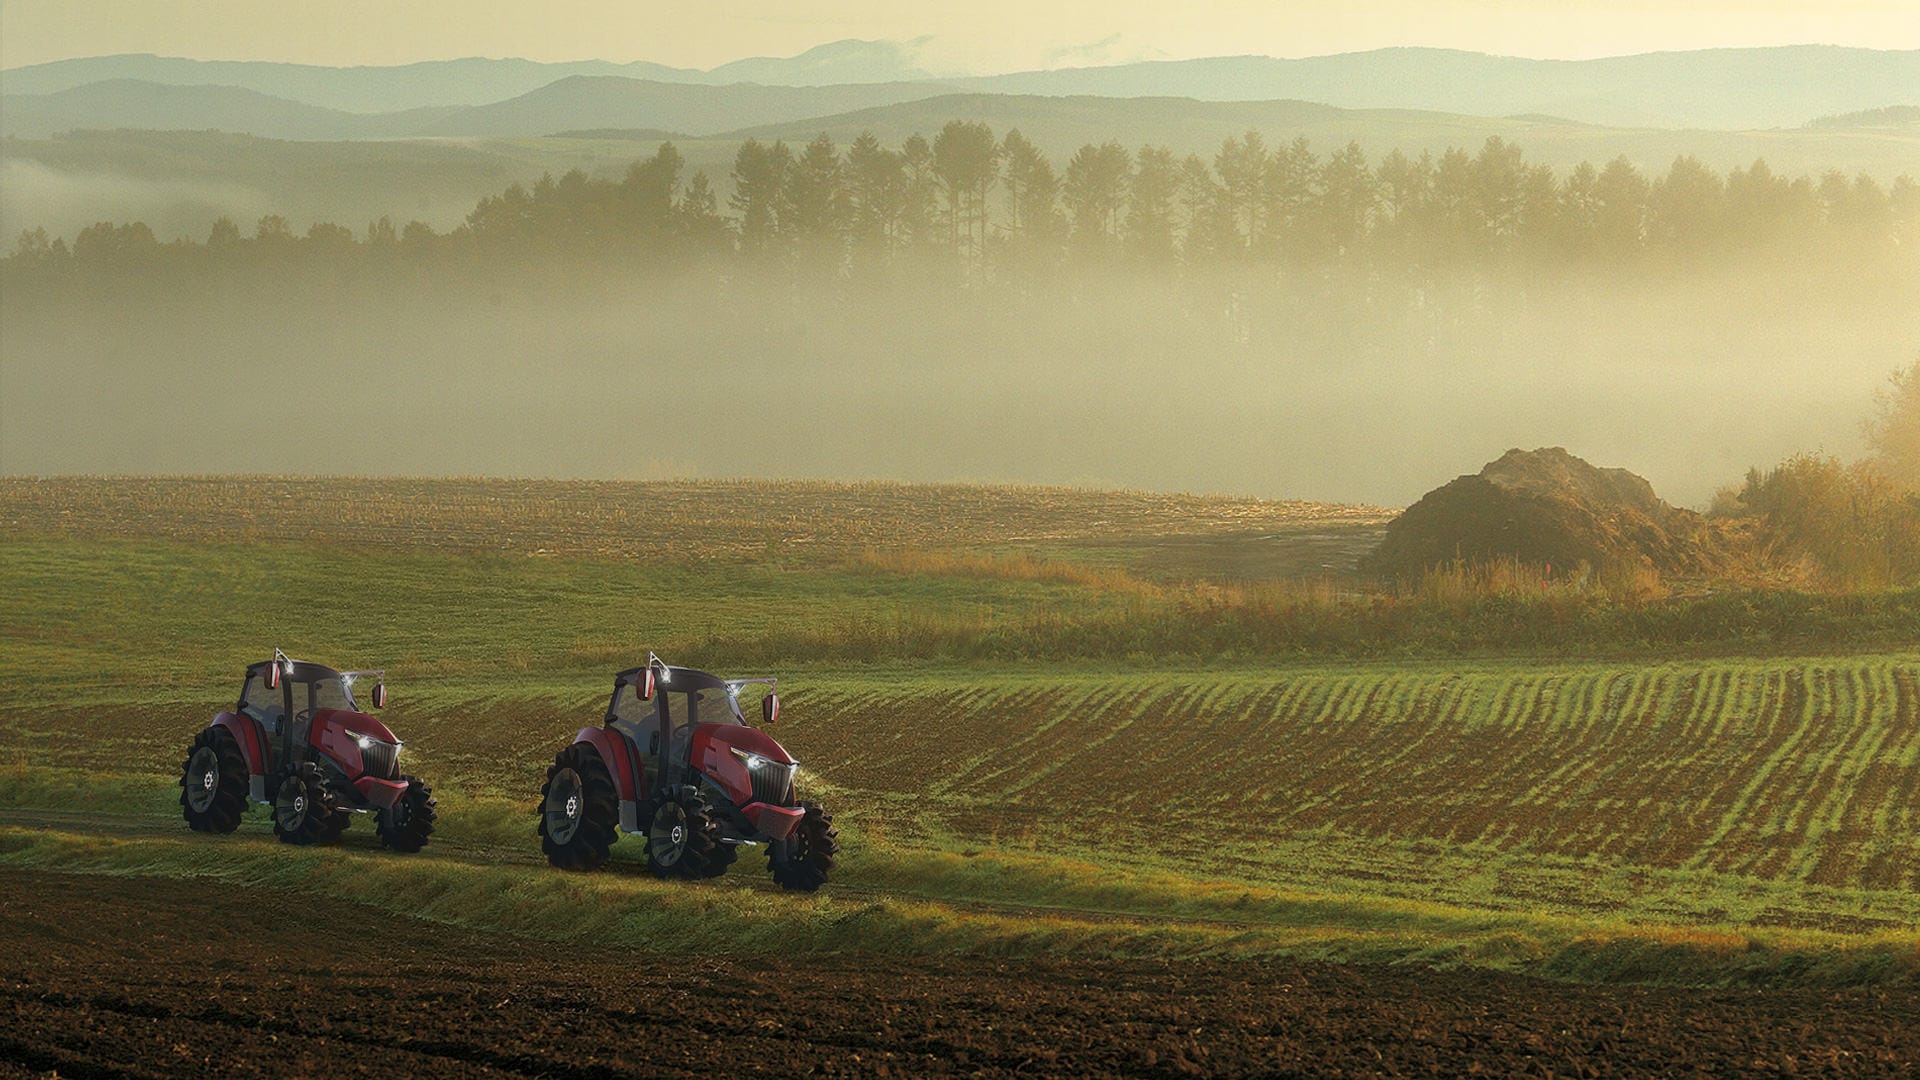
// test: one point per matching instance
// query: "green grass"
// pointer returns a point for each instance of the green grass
(1196, 770)
(928, 904)
(140, 615)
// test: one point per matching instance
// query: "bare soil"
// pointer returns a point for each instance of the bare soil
(138, 977)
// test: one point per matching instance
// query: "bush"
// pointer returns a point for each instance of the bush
(1895, 433)
(1855, 522)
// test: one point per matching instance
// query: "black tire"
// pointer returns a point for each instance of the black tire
(801, 861)
(213, 782)
(683, 836)
(303, 809)
(720, 859)
(406, 824)
(579, 810)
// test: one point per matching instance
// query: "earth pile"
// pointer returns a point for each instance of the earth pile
(1547, 507)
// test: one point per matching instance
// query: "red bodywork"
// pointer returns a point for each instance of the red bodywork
(252, 739)
(332, 733)
(712, 754)
(629, 778)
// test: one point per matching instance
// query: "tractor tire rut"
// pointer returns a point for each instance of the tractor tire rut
(750, 876)
(147, 977)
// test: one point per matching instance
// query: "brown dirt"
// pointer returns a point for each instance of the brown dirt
(133, 977)
(1547, 507)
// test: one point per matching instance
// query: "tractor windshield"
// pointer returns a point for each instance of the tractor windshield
(716, 705)
(327, 692)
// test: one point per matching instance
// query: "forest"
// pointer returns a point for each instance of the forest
(974, 206)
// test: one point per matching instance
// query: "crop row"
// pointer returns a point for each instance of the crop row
(1784, 792)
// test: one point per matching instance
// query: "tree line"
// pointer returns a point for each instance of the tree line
(981, 206)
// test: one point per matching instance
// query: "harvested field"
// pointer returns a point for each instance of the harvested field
(681, 519)
(140, 977)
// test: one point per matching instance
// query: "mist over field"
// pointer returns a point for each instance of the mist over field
(1203, 293)
(1335, 388)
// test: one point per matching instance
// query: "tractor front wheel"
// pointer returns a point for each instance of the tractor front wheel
(213, 782)
(579, 810)
(406, 824)
(801, 861)
(304, 811)
(683, 837)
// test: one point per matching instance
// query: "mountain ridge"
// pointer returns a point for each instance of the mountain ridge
(1721, 89)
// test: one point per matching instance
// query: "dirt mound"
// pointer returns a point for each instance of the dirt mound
(1546, 506)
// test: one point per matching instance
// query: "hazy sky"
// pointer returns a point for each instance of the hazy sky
(983, 36)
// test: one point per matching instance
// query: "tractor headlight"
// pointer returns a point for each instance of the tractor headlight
(756, 761)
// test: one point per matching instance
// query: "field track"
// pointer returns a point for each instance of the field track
(140, 977)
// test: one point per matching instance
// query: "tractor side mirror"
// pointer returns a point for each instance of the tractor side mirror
(273, 675)
(379, 695)
(643, 684)
(770, 708)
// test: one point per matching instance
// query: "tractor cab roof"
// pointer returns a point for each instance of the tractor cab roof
(673, 678)
(301, 671)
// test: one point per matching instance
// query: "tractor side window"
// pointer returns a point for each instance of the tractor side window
(263, 704)
(629, 708)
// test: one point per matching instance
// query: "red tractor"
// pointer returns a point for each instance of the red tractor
(676, 761)
(298, 741)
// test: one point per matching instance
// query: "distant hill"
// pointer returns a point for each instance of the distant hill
(1893, 116)
(583, 101)
(596, 107)
(573, 103)
(828, 65)
(1712, 88)
(1733, 89)
(132, 104)
(471, 81)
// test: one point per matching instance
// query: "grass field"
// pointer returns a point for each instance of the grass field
(1741, 814)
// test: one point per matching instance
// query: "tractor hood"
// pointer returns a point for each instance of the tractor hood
(355, 723)
(745, 764)
(747, 740)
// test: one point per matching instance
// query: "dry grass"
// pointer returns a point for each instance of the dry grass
(644, 519)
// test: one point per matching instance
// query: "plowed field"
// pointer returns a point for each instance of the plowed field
(139, 977)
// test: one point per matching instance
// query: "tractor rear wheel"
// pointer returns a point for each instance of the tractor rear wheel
(801, 861)
(213, 782)
(304, 811)
(683, 836)
(579, 810)
(406, 824)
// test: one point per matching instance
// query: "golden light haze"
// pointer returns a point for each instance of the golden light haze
(983, 37)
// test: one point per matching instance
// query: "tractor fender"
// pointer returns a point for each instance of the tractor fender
(623, 761)
(253, 746)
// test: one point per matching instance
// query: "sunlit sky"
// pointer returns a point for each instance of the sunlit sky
(982, 36)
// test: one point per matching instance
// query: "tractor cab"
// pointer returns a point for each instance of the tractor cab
(658, 707)
(284, 695)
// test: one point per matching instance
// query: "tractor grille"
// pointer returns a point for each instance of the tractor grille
(773, 784)
(381, 760)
